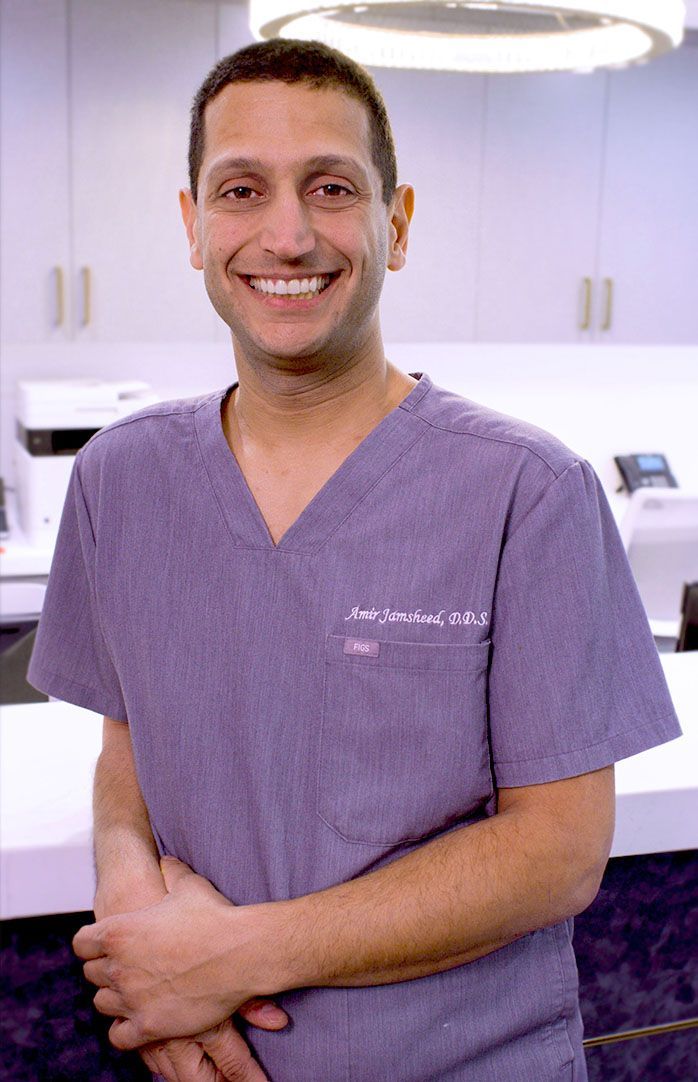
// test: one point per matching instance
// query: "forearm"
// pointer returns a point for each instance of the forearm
(126, 857)
(129, 879)
(452, 900)
(449, 902)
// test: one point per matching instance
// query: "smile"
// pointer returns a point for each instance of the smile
(301, 288)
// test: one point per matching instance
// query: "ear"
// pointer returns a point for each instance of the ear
(401, 210)
(189, 217)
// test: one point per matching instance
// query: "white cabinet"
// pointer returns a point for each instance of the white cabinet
(533, 192)
(540, 193)
(135, 68)
(433, 296)
(233, 28)
(589, 219)
(649, 223)
(34, 195)
(115, 105)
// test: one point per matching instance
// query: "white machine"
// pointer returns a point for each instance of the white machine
(660, 534)
(55, 418)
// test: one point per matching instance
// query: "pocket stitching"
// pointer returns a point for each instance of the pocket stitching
(342, 662)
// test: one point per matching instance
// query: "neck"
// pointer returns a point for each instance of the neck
(275, 407)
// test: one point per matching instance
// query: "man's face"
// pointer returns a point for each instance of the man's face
(289, 226)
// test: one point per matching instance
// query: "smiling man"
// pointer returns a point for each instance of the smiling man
(366, 652)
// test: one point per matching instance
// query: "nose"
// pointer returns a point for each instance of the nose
(287, 231)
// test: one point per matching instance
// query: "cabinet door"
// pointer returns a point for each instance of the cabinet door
(649, 229)
(34, 169)
(437, 124)
(134, 70)
(541, 179)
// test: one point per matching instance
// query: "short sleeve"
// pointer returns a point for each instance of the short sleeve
(575, 678)
(71, 660)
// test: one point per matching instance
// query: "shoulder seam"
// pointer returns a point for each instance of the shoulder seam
(131, 419)
(500, 439)
(543, 495)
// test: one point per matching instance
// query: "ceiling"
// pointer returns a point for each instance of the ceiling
(691, 12)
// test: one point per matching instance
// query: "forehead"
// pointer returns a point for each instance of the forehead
(274, 120)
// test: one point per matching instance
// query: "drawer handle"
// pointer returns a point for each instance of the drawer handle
(586, 305)
(86, 281)
(59, 315)
(608, 310)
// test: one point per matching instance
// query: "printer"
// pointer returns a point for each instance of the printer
(54, 419)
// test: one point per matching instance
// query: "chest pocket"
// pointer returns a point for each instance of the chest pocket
(403, 745)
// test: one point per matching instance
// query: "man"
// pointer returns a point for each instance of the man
(366, 652)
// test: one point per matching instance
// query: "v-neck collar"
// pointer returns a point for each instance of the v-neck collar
(331, 505)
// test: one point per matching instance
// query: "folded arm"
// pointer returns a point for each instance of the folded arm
(539, 860)
(129, 879)
(536, 862)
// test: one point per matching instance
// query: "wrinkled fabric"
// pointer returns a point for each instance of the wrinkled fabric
(452, 613)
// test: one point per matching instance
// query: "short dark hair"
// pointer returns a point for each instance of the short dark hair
(291, 61)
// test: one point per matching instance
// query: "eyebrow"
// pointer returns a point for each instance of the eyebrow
(321, 163)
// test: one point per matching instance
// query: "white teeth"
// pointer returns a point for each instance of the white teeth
(294, 287)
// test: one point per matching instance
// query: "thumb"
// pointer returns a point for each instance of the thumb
(174, 872)
(263, 1013)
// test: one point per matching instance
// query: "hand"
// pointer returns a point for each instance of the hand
(217, 1054)
(221, 1053)
(164, 971)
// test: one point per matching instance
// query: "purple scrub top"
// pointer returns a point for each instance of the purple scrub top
(452, 613)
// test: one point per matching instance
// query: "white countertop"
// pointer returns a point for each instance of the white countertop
(48, 753)
(18, 557)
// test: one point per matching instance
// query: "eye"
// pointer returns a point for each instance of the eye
(332, 192)
(240, 193)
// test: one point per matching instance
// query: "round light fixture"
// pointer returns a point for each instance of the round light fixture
(464, 35)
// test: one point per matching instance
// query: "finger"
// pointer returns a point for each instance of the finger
(96, 972)
(159, 1063)
(150, 1059)
(190, 1062)
(231, 1054)
(174, 872)
(86, 942)
(125, 1034)
(185, 1059)
(107, 1001)
(263, 1013)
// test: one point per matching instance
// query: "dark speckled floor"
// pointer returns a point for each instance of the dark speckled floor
(637, 956)
(636, 951)
(50, 1031)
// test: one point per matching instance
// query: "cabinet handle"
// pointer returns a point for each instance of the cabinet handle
(86, 280)
(586, 305)
(608, 309)
(59, 315)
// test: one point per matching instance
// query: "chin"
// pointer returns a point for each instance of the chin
(310, 350)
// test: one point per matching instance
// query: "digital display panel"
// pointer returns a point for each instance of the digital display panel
(652, 463)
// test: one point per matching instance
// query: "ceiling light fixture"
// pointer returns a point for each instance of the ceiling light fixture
(511, 36)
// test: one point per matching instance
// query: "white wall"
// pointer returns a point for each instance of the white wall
(600, 400)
